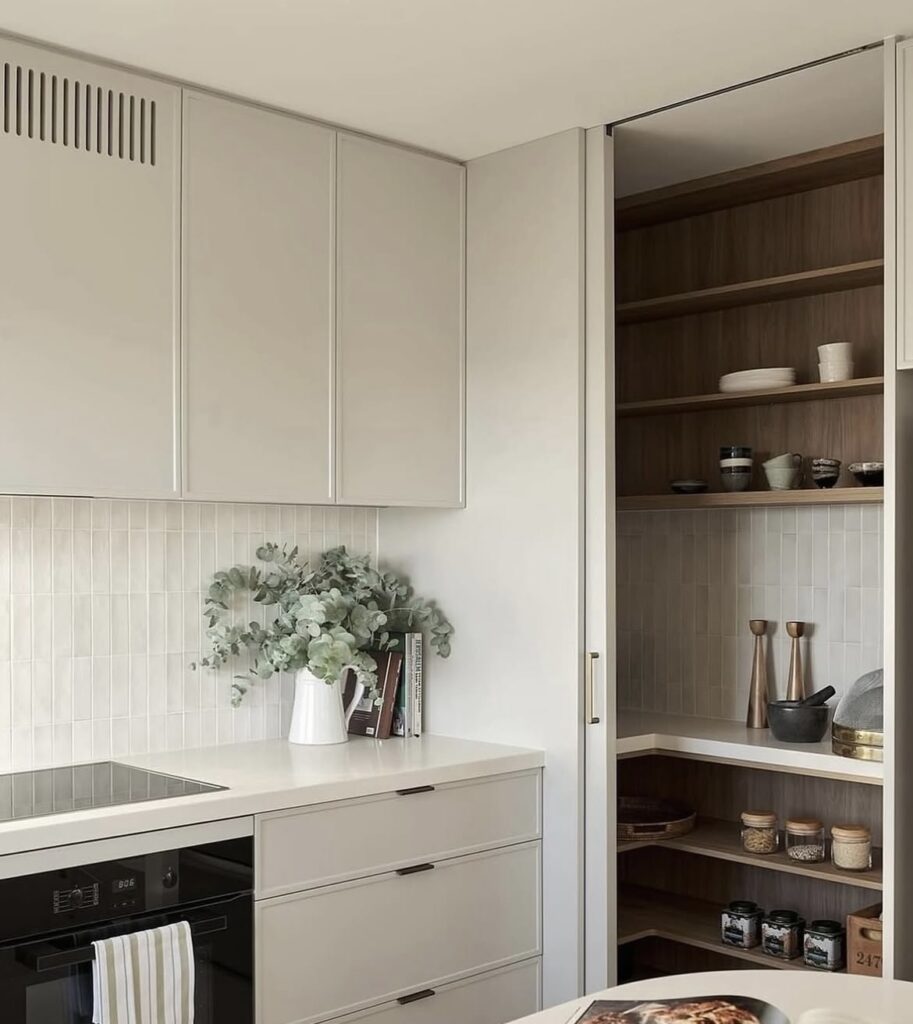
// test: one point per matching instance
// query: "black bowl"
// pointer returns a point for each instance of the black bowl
(791, 723)
(689, 486)
(869, 474)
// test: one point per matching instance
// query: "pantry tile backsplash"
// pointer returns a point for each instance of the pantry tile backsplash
(688, 582)
(100, 620)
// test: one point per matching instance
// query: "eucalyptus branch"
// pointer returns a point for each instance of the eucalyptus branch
(326, 618)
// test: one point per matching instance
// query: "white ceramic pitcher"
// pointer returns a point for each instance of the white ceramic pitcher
(318, 715)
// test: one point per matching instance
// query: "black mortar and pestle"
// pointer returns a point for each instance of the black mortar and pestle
(801, 721)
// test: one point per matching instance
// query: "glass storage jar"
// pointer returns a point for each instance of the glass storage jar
(825, 946)
(781, 934)
(851, 847)
(741, 924)
(805, 840)
(759, 832)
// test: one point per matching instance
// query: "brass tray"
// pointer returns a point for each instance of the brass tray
(867, 737)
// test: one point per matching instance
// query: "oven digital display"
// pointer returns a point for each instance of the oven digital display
(123, 885)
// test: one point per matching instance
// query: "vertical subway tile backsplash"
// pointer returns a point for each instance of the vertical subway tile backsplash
(100, 618)
(688, 582)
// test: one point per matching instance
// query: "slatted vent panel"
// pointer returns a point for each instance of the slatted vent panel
(68, 112)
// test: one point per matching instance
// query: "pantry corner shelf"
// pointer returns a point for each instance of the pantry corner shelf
(645, 913)
(727, 742)
(748, 293)
(752, 499)
(720, 840)
(739, 399)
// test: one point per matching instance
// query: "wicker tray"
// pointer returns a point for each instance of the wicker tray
(640, 818)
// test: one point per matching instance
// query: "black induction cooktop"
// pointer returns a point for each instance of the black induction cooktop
(82, 787)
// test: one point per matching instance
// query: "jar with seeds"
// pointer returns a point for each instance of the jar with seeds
(759, 832)
(851, 847)
(805, 840)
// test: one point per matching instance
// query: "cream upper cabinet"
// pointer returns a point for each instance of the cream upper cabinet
(400, 330)
(258, 279)
(904, 164)
(88, 278)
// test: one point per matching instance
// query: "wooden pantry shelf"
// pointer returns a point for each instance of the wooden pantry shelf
(645, 913)
(773, 396)
(848, 161)
(752, 499)
(720, 840)
(749, 293)
(725, 742)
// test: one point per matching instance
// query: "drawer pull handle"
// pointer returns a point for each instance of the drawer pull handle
(415, 789)
(414, 869)
(414, 997)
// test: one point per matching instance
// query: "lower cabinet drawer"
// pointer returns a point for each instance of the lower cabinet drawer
(328, 843)
(490, 998)
(341, 948)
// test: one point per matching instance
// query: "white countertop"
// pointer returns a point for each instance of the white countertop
(793, 992)
(270, 775)
(714, 739)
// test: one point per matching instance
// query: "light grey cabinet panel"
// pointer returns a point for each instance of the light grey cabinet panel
(490, 998)
(258, 277)
(400, 332)
(326, 843)
(344, 947)
(88, 278)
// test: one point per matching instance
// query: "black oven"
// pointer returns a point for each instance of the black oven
(49, 920)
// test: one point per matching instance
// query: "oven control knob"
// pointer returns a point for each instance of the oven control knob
(76, 898)
(170, 878)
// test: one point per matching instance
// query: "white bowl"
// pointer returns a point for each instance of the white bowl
(842, 350)
(834, 372)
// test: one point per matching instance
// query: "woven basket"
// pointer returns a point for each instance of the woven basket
(641, 818)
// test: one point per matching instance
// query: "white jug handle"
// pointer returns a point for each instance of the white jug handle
(357, 694)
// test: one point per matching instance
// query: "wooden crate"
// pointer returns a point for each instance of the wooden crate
(864, 941)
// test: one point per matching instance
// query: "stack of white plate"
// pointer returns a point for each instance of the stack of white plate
(765, 379)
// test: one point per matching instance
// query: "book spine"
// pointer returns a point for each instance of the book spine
(407, 685)
(388, 698)
(415, 645)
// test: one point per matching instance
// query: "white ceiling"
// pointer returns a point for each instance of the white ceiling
(463, 77)
(819, 106)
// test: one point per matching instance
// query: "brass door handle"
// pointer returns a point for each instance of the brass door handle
(590, 692)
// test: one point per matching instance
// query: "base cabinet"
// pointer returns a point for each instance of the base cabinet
(489, 998)
(433, 940)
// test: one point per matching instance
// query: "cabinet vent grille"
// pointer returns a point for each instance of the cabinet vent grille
(67, 112)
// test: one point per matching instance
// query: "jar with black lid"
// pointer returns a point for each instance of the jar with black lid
(741, 924)
(825, 946)
(781, 934)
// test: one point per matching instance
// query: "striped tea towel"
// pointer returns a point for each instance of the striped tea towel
(144, 977)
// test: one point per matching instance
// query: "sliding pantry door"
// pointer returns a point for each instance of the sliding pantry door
(898, 509)
(600, 924)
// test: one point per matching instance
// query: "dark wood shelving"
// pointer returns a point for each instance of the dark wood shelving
(643, 913)
(720, 840)
(749, 499)
(774, 396)
(849, 161)
(750, 293)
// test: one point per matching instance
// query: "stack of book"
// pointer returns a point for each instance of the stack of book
(397, 708)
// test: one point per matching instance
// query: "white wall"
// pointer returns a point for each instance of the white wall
(507, 569)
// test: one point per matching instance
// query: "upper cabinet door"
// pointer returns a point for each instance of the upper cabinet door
(903, 141)
(88, 278)
(400, 329)
(257, 304)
